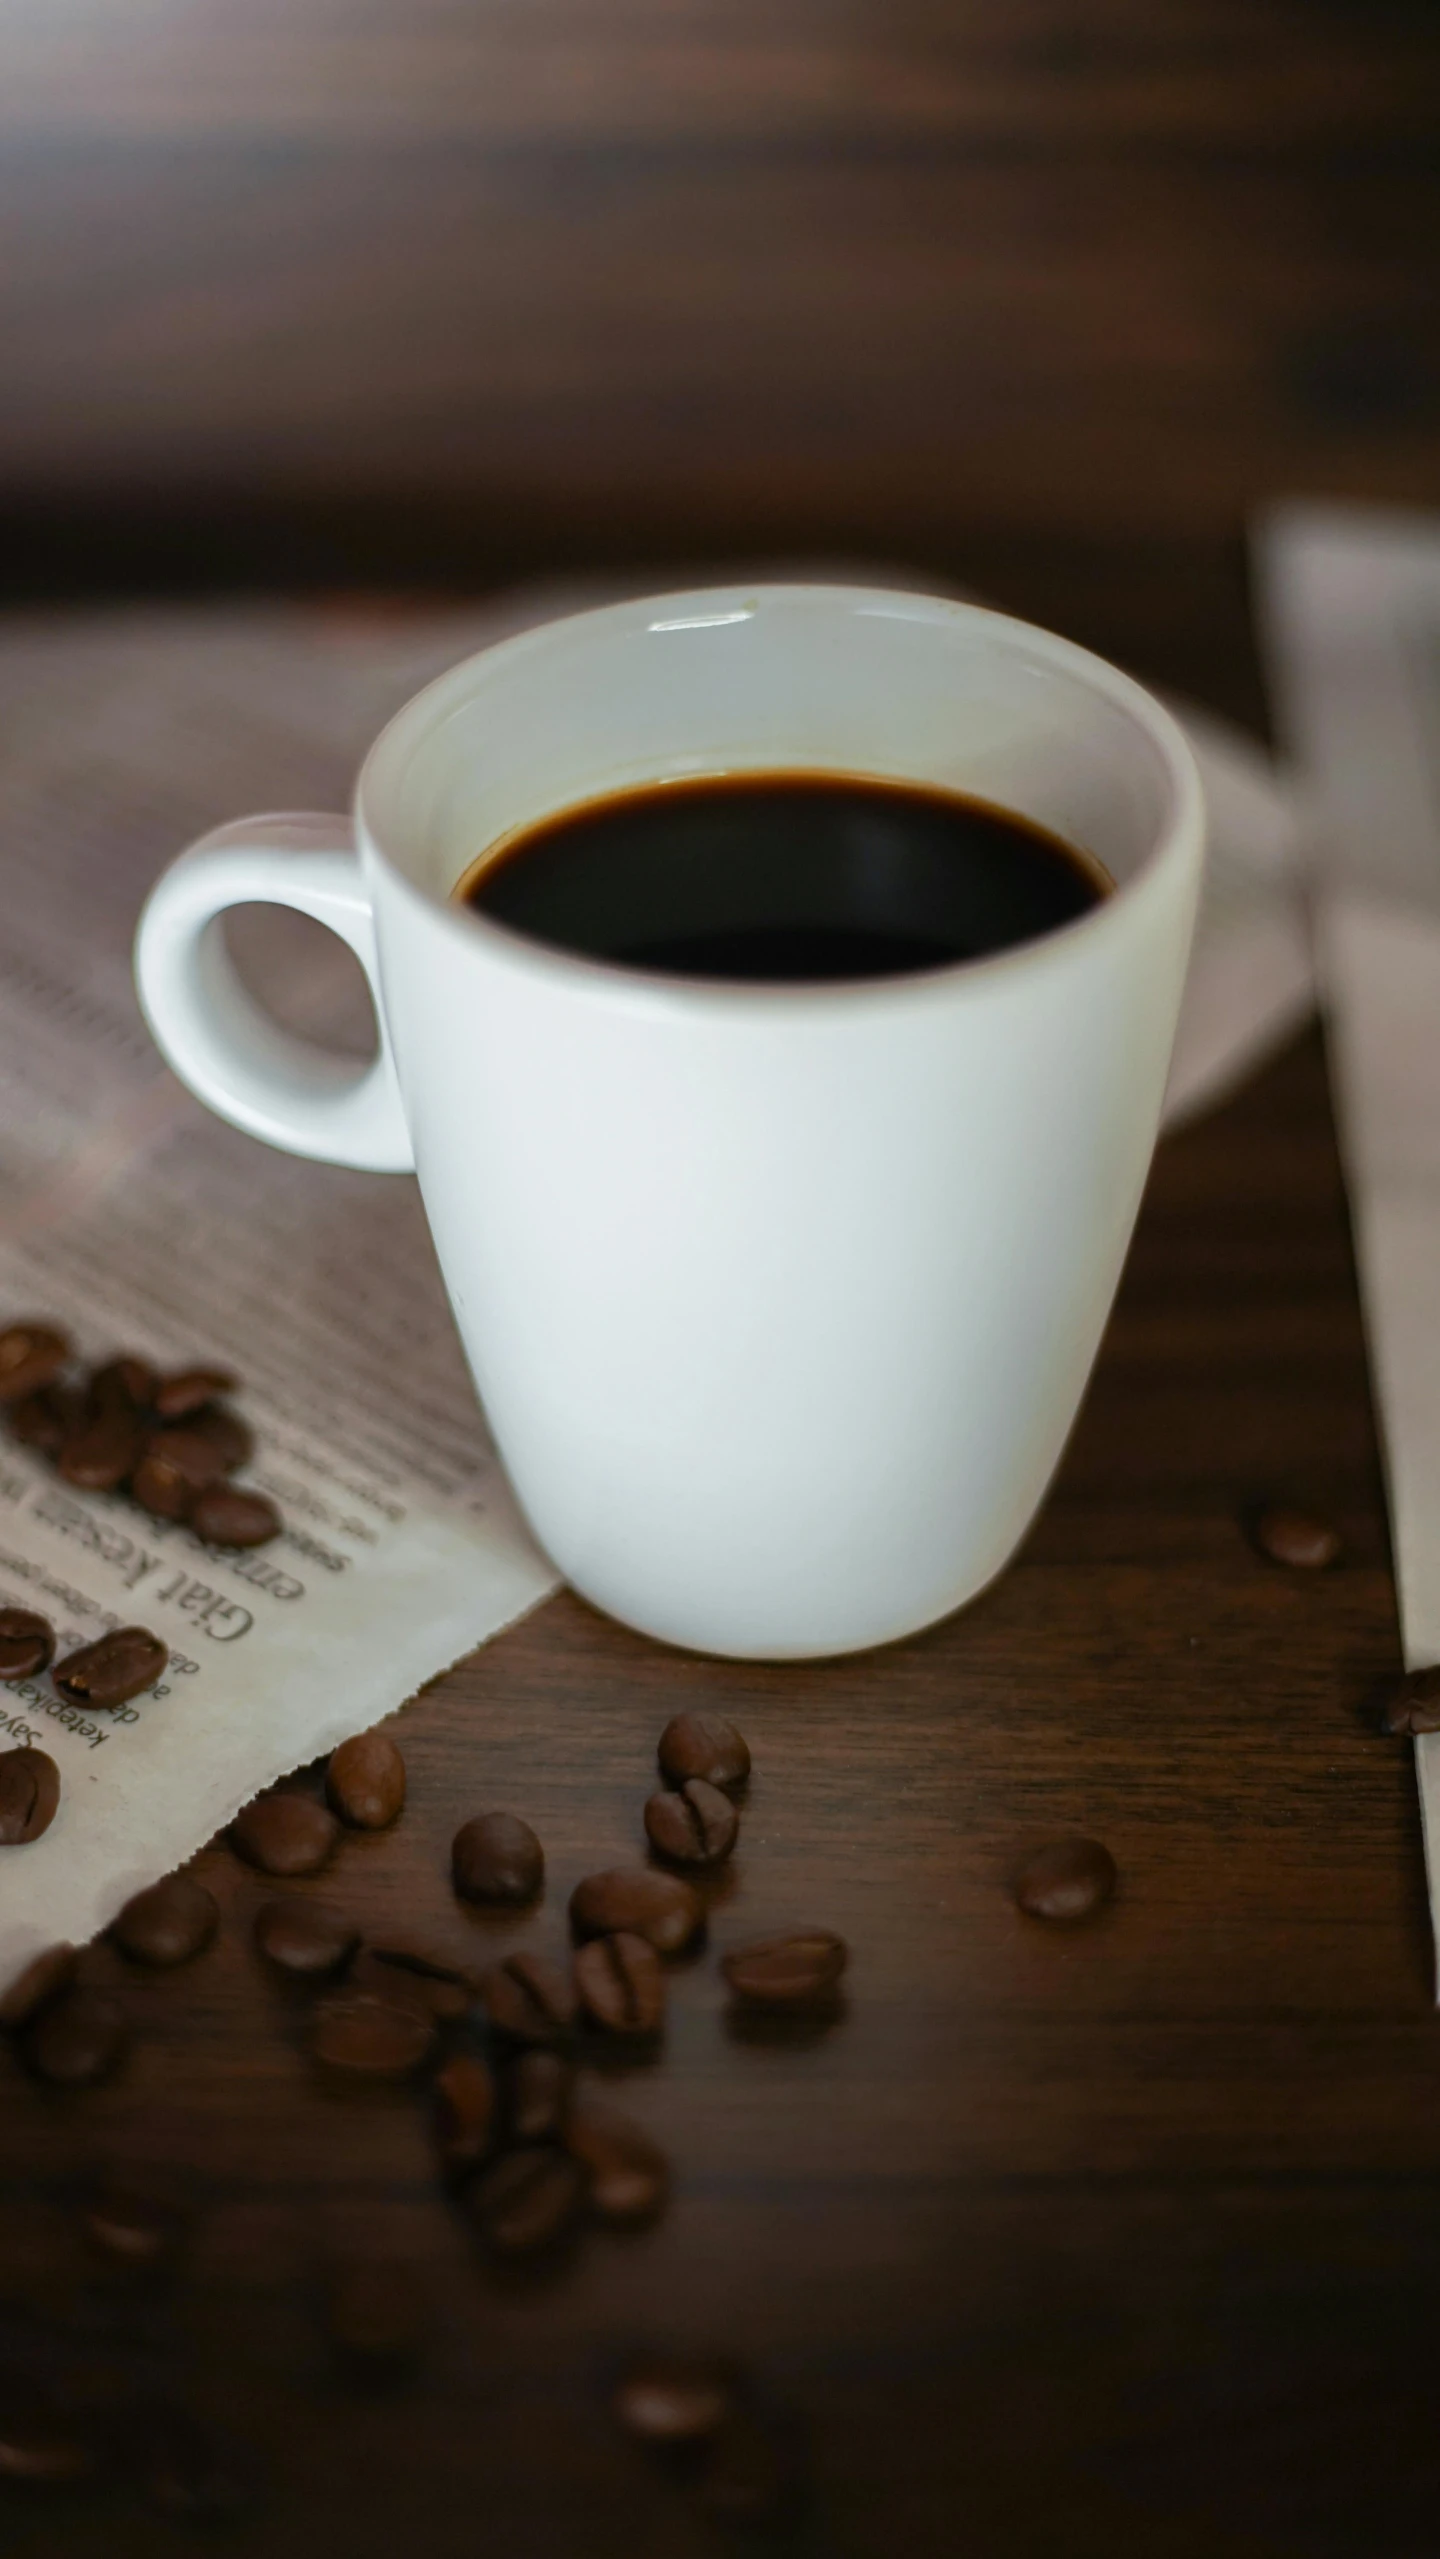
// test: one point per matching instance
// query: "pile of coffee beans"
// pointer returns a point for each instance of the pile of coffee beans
(171, 1440)
(528, 2148)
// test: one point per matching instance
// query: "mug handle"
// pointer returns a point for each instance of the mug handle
(208, 1026)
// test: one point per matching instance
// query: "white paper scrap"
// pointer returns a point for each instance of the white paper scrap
(140, 1222)
(1351, 598)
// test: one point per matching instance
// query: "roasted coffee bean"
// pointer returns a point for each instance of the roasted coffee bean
(1412, 1704)
(232, 1439)
(129, 1376)
(527, 2200)
(528, 1999)
(285, 1834)
(1067, 1879)
(791, 1971)
(376, 2317)
(29, 1795)
(621, 1982)
(129, 2228)
(31, 1355)
(538, 2087)
(76, 2040)
(178, 1463)
(635, 1898)
(365, 1781)
(113, 1669)
(27, 1643)
(697, 1826)
(224, 1515)
(45, 1420)
(298, 1937)
(188, 2470)
(1296, 1538)
(105, 1446)
(42, 1980)
(465, 2111)
(40, 2443)
(406, 1973)
(703, 1746)
(497, 1858)
(184, 1392)
(174, 1469)
(629, 2177)
(665, 2399)
(369, 2038)
(167, 1923)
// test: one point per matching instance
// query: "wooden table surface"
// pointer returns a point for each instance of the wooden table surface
(1124, 2238)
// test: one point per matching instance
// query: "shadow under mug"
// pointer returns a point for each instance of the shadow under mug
(780, 1299)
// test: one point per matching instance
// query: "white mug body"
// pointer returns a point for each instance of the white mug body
(780, 1300)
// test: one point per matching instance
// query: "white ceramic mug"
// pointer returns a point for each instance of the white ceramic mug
(780, 1299)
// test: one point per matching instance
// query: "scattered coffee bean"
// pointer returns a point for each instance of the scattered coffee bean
(369, 2038)
(45, 1420)
(129, 2228)
(31, 1355)
(1294, 1537)
(76, 2040)
(225, 1516)
(285, 1834)
(176, 1467)
(527, 2200)
(465, 2111)
(497, 1858)
(538, 2090)
(104, 1448)
(1068, 1879)
(29, 1795)
(113, 1669)
(27, 1643)
(189, 2470)
(629, 2177)
(791, 1971)
(365, 1781)
(696, 1826)
(297, 1937)
(1412, 1704)
(183, 1393)
(528, 1999)
(39, 2443)
(376, 2317)
(395, 1971)
(637, 1899)
(232, 1440)
(42, 1980)
(666, 2399)
(167, 1923)
(703, 1746)
(621, 1982)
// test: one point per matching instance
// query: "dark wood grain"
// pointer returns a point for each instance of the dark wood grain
(1133, 2227)
(684, 277)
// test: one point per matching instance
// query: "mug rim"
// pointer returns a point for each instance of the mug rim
(1178, 836)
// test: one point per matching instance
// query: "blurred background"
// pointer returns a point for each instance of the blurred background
(1043, 295)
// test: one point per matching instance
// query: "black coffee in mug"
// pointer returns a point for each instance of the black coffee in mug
(790, 877)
